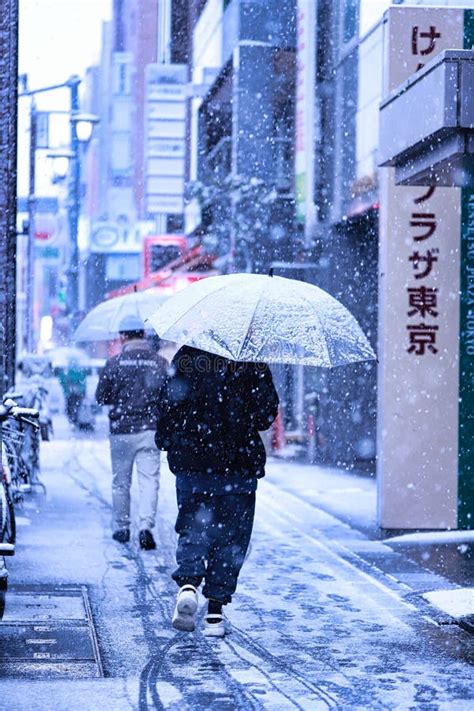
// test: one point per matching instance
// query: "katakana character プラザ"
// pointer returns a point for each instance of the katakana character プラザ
(427, 260)
(423, 219)
(425, 196)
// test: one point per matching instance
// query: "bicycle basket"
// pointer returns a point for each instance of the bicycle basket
(12, 435)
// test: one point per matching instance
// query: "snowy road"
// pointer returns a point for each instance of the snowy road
(313, 625)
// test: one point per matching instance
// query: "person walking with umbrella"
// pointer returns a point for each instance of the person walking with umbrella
(210, 412)
(130, 384)
(218, 399)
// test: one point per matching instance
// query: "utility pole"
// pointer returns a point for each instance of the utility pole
(30, 281)
(8, 187)
(72, 300)
(74, 198)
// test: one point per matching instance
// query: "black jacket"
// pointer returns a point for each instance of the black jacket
(130, 383)
(210, 412)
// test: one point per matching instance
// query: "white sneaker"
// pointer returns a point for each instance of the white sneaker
(185, 610)
(216, 628)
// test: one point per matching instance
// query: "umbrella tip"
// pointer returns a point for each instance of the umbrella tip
(270, 272)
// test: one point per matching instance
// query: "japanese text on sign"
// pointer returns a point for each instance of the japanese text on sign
(423, 299)
(423, 43)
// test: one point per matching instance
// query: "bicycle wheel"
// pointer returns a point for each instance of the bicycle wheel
(3, 591)
(12, 461)
(7, 514)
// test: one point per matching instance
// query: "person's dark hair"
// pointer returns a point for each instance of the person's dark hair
(130, 335)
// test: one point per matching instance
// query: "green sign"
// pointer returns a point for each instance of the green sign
(46, 252)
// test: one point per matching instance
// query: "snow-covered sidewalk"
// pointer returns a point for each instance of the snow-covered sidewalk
(315, 623)
(438, 565)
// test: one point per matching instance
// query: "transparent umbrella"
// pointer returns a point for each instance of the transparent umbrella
(103, 321)
(251, 317)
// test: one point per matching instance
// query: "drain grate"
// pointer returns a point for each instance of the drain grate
(48, 632)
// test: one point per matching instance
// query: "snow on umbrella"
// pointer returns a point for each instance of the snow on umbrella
(103, 321)
(251, 317)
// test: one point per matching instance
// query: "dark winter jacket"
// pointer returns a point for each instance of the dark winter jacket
(130, 383)
(210, 412)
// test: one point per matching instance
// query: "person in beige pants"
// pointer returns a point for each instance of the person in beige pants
(130, 384)
(126, 450)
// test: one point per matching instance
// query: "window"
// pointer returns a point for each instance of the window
(351, 12)
(161, 255)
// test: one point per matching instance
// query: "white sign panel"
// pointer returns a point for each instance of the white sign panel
(118, 237)
(165, 135)
(418, 377)
(305, 117)
(208, 39)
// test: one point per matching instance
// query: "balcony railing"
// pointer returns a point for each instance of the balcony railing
(217, 165)
(218, 162)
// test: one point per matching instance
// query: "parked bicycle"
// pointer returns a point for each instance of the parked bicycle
(35, 374)
(21, 446)
(10, 414)
(14, 471)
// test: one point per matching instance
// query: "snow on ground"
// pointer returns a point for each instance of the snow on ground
(313, 627)
(350, 496)
(437, 537)
(456, 603)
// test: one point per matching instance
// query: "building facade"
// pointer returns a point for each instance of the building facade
(348, 52)
(122, 187)
(241, 130)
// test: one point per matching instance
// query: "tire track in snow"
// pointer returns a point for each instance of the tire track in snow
(159, 653)
(251, 649)
(150, 676)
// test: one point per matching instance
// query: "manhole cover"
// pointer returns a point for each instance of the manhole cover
(44, 606)
(48, 632)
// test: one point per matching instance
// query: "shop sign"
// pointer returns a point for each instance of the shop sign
(419, 426)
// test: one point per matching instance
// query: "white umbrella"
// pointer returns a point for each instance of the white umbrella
(251, 317)
(103, 321)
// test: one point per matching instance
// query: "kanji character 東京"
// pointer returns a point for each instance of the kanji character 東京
(427, 259)
(423, 300)
(423, 219)
(422, 337)
(432, 36)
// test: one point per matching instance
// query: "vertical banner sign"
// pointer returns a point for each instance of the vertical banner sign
(305, 108)
(165, 138)
(466, 342)
(8, 153)
(419, 309)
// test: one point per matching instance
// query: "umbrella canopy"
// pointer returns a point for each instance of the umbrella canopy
(251, 317)
(103, 321)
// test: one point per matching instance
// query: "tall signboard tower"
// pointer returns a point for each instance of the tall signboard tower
(165, 141)
(305, 116)
(426, 366)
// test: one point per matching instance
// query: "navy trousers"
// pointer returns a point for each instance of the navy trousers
(214, 533)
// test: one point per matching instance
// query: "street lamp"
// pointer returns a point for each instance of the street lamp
(81, 131)
(61, 158)
(81, 126)
(84, 126)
